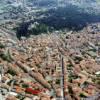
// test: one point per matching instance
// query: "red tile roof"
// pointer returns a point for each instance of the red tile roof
(34, 92)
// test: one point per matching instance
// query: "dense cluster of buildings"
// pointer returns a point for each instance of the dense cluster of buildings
(31, 69)
(49, 66)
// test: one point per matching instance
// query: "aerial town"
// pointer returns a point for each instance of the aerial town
(40, 62)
